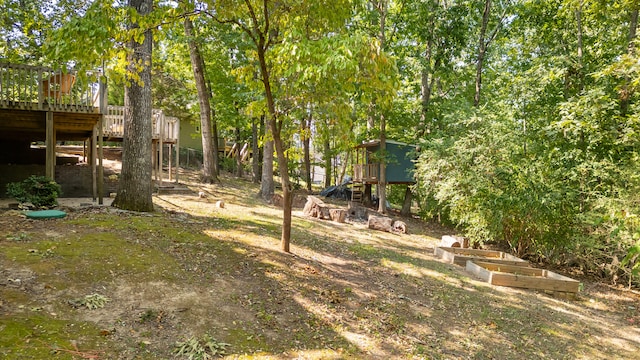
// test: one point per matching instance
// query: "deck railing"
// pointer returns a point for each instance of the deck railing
(366, 172)
(166, 128)
(41, 88)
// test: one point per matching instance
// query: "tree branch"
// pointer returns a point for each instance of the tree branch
(235, 22)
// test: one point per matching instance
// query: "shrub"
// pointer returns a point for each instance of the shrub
(41, 191)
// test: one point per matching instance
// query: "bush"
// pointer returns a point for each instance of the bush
(41, 191)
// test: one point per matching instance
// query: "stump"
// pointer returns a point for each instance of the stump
(400, 227)
(277, 200)
(299, 201)
(357, 211)
(220, 204)
(338, 215)
(316, 208)
(381, 223)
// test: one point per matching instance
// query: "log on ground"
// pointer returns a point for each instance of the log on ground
(399, 227)
(338, 215)
(381, 223)
(316, 208)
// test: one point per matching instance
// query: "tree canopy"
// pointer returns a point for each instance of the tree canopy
(525, 112)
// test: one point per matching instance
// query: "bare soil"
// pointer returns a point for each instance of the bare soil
(345, 292)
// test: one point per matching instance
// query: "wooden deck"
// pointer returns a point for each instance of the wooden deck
(45, 104)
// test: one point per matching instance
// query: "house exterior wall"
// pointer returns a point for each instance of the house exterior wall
(190, 136)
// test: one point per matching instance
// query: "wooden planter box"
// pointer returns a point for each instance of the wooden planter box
(522, 277)
(459, 256)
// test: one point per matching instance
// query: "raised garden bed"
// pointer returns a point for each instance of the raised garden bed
(460, 256)
(522, 277)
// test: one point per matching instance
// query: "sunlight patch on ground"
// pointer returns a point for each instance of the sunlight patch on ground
(403, 268)
(361, 341)
(264, 241)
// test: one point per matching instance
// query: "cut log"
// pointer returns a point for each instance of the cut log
(357, 211)
(454, 241)
(381, 223)
(400, 227)
(316, 208)
(299, 201)
(277, 200)
(338, 215)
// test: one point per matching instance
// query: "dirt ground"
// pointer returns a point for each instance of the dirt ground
(195, 273)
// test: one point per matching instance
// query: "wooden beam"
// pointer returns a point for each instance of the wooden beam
(177, 153)
(50, 161)
(522, 277)
(92, 157)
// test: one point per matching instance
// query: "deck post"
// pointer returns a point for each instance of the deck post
(177, 152)
(50, 162)
(92, 159)
(160, 145)
(170, 156)
(100, 162)
(102, 108)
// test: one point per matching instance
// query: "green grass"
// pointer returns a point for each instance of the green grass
(35, 336)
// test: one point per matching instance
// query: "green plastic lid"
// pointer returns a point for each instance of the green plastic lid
(46, 214)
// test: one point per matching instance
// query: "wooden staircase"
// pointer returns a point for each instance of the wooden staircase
(357, 191)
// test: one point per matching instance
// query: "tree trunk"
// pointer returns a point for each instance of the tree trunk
(383, 7)
(306, 140)
(254, 148)
(214, 140)
(285, 238)
(197, 63)
(327, 164)
(267, 186)
(343, 168)
(482, 49)
(135, 185)
(382, 177)
(239, 169)
(406, 206)
(625, 92)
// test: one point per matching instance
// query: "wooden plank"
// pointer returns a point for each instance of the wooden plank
(522, 277)
(460, 256)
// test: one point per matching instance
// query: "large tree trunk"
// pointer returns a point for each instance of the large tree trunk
(135, 186)
(209, 170)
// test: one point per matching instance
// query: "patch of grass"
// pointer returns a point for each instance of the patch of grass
(91, 302)
(18, 237)
(204, 348)
(243, 340)
(78, 258)
(44, 337)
